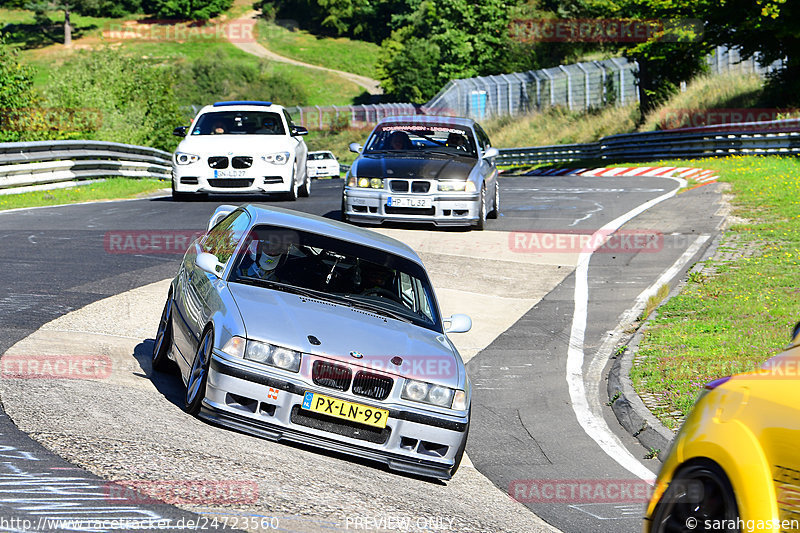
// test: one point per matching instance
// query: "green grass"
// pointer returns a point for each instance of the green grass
(109, 189)
(561, 126)
(339, 53)
(337, 142)
(736, 319)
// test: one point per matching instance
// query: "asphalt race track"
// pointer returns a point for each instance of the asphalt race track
(535, 360)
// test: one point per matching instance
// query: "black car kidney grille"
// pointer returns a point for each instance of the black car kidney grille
(327, 374)
(420, 186)
(371, 385)
(218, 162)
(242, 161)
(398, 185)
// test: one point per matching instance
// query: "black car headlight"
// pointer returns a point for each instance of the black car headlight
(420, 391)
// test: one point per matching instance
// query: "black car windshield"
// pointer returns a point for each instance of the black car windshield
(318, 156)
(420, 138)
(350, 274)
(239, 123)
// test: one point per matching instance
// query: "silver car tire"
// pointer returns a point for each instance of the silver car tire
(198, 375)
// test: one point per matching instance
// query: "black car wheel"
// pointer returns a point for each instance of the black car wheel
(292, 194)
(305, 189)
(481, 223)
(698, 493)
(495, 212)
(163, 342)
(198, 376)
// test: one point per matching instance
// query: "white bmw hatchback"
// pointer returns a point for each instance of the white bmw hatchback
(241, 148)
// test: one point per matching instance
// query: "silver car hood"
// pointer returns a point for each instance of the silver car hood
(287, 319)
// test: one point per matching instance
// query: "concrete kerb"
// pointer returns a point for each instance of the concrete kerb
(626, 403)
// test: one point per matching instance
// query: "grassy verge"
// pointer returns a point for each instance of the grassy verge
(110, 189)
(339, 53)
(337, 142)
(741, 315)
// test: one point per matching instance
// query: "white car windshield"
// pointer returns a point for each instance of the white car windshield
(417, 138)
(329, 268)
(239, 123)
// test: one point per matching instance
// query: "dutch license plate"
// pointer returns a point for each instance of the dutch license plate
(229, 173)
(363, 414)
(408, 201)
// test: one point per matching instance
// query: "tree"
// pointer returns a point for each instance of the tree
(443, 40)
(189, 9)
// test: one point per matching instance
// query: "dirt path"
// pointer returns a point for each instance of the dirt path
(370, 85)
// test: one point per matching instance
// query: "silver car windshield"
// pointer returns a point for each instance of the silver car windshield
(419, 138)
(325, 267)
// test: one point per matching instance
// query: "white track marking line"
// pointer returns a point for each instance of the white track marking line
(595, 372)
(594, 426)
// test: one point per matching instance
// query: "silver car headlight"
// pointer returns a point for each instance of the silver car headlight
(365, 183)
(269, 354)
(183, 158)
(278, 158)
(419, 391)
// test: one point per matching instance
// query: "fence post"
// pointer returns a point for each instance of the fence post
(585, 85)
(621, 80)
(602, 82)
(569, 86)
(319, 110)
(552, 88)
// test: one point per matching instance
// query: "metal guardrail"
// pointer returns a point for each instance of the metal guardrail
(777, 137)
(30, 163)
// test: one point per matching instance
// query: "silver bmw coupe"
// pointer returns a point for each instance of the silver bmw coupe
(294, 327)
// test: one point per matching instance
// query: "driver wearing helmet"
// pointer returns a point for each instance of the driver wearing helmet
(262, 258)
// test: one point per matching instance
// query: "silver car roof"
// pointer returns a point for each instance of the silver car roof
(430, 119)
(264, 214)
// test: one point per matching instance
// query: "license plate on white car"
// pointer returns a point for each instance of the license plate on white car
(229, 173)
(408, 201)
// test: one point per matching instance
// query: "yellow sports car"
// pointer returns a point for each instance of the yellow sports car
(735, 463)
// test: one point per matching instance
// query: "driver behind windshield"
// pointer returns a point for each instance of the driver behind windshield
(376, 281)
(262, 258)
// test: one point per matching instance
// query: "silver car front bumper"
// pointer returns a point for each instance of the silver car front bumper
(450, 209)
(269, 405)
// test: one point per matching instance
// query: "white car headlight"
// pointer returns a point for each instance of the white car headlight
(234, 347)
(419, 391)
(452, 186)
(276, 356)
(183, 158)
(278, 158)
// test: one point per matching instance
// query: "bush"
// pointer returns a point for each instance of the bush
(188, 9)
(133, 98)
(218, 76)
(16, 81)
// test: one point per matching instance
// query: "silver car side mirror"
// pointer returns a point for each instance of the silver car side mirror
(458, 323)
(355, 147)
(490, 153)
(209, 263)
(220, 213)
